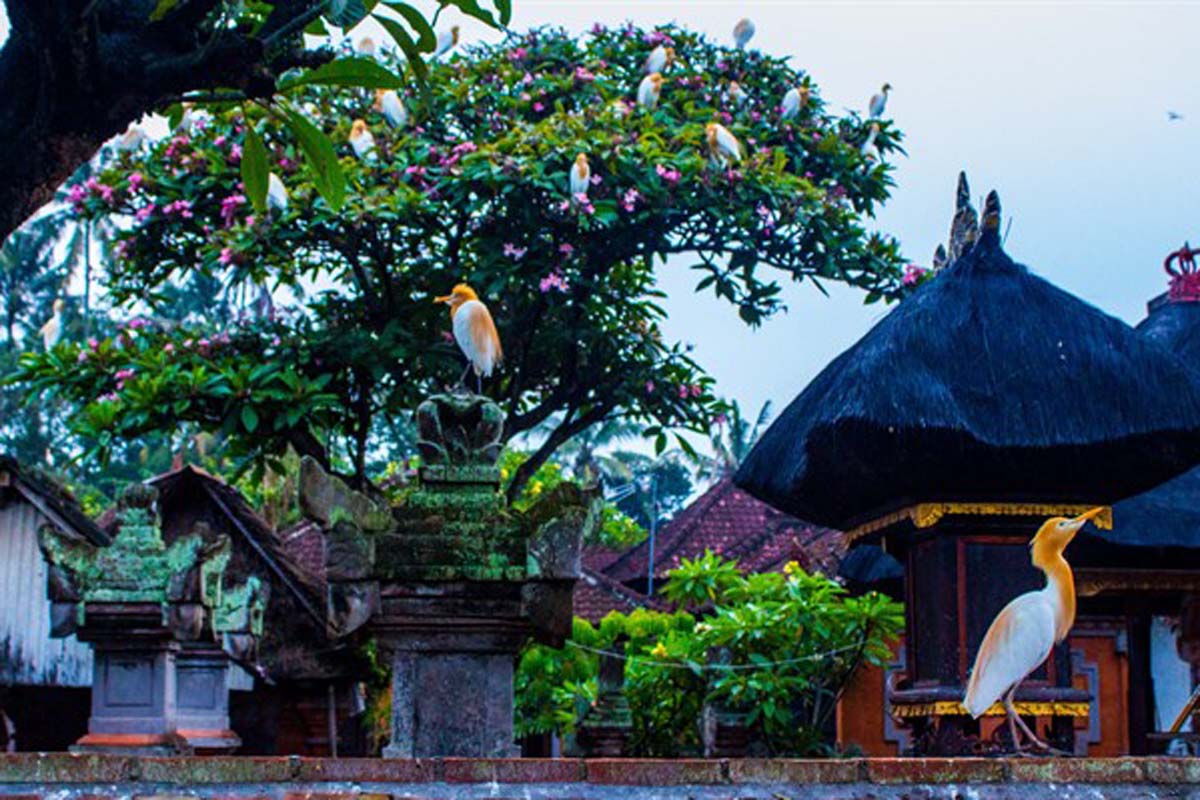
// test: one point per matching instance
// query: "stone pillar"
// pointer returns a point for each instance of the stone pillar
(605, 728)
(202, 699)
(452, 582)
(133, 683)
(723, 730)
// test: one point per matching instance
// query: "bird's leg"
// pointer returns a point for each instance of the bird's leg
(478, 383)
(1013, 715)
(462, 379)
(1011, 712)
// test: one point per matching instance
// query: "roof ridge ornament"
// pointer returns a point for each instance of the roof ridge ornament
(964, 228)
(1180, 265)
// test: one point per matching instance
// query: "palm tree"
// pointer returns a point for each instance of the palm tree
(732, 440)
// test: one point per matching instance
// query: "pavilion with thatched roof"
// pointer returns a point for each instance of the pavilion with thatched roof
(986, 401)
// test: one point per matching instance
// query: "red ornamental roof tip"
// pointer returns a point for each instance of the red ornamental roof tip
(1184, 278)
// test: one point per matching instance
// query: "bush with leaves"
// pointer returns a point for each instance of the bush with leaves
(475, 187)
(793, 642)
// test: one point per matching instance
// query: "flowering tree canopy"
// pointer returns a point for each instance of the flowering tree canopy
(473, 185)
(75, 73)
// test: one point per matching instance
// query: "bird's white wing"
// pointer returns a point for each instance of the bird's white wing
(1019, 640)
(475, 333)
(394, 110)
(728, 144)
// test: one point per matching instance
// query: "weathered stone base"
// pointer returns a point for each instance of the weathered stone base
(60, 776)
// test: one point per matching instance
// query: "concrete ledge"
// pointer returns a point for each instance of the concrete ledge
(61, 776)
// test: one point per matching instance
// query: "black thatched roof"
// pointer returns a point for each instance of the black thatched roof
(986, 383)
(1167, 515)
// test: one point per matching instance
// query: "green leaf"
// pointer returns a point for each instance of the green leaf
(352, 71)
(346, 13)
(249, 418)
(254, 168)
(317, 28)
(426, 38)
(405, 42)
(321, 157)
(163, 8)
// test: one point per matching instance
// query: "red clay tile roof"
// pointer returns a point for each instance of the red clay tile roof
(733, 524)
(597, 595)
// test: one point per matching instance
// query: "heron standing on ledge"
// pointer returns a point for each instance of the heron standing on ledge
(1025, 632)
(474, 331)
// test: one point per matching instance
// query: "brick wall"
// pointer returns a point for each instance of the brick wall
(56, 776)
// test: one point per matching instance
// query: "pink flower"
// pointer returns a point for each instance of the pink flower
(235, 153)
(93, 343)
(122, 376)
(669, 175)
(219, 141)
(108, 397)
(755, 116)
(138, 323)
(658, 37)
(555, 280)
(526, 79)
(598, 29)
(83, 356)
(583, 75)
(187, 342)
(250, 220)
(514, 252)
(683, 392)
(696, 390)
(229, 208)
(181, 207)
(719, 419)
(136, 180)
(176, 145)
(517, 54)
(629, 200)
(465, 147)
(143, 213)
(649, 387)
(913, 274)
(564, 206)
(566, 248)
(227, 256)
(76, 195)
(168, 348)
(539, 106)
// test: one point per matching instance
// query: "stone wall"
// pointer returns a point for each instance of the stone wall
(59, 776)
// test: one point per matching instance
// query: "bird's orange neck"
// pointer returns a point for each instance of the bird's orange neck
(1060, 581)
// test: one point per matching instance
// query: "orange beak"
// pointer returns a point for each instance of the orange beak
(1088, 516)
(442, 299)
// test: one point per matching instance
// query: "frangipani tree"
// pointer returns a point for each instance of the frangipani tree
(475, 188)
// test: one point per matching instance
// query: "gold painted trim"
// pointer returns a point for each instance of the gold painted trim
(953, 708)
(926, 515)
(1091, 581)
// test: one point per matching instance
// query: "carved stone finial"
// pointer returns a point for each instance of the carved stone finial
(991, 213)
(459, 429)
(964, 228)
(940, 261)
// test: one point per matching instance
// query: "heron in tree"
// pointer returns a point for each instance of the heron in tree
(743, 32)
(474, 331)
(649, 90)
(1026, 630)
(581, 176)
(659, 59)
(879, 101)
(277, 193)
(52, 330)
(362, 141)
(794, 101)
(723, 146)
(387, 102)
(446, 41)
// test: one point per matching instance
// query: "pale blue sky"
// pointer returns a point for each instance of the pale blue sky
(1061, 107)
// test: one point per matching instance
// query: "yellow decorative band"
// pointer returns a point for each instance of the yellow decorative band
(953, 708)
(926, 515)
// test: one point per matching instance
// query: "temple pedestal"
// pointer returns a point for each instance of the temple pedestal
(452, 672)
(133, 684)
(202, 699)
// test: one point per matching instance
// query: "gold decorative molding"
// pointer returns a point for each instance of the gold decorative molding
(926, 515)
(953, 708)
(1090, 582)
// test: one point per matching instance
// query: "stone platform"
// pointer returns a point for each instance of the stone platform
(60, 776)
